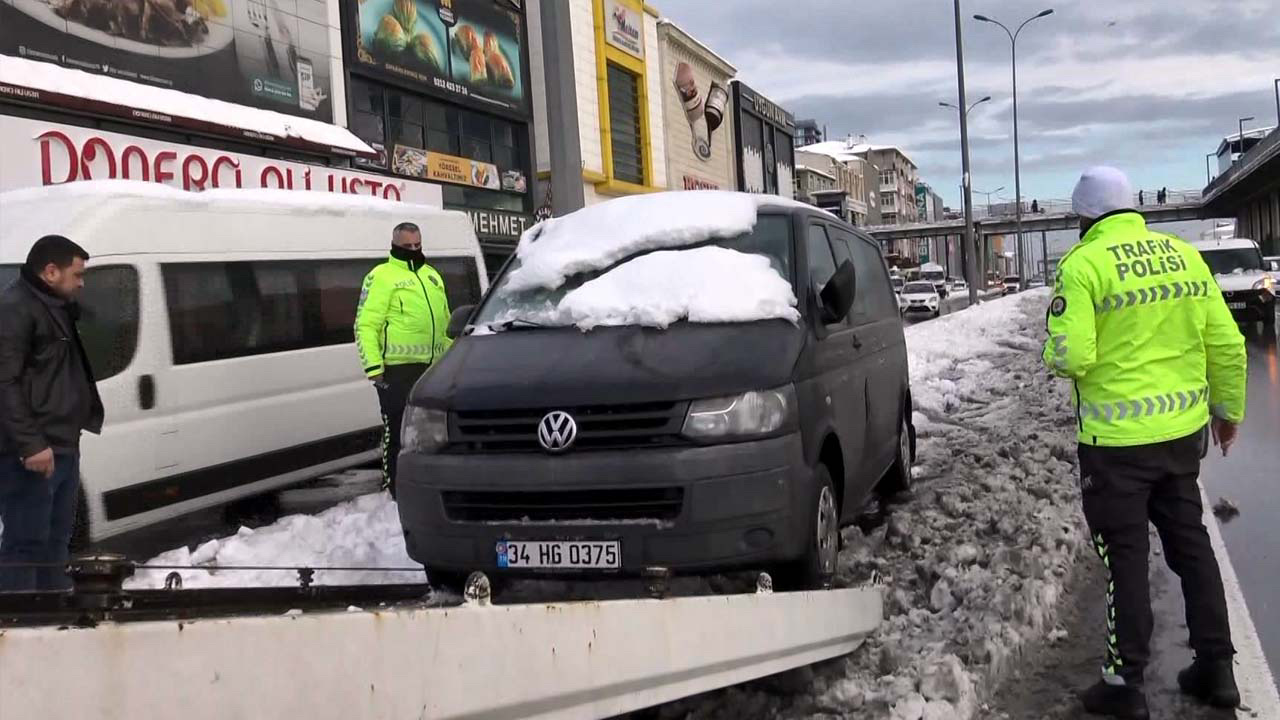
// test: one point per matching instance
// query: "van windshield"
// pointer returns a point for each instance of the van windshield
(1225, 262)
(771, 238)
(935, 276)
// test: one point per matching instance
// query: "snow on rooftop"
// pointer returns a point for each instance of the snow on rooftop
(844, 151)
(701, 285)
(600, 235)
(51, 78)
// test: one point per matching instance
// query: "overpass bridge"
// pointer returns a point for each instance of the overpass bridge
(1053, 216)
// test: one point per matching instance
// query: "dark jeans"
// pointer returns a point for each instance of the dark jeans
(38, 517)
(397, 381)
(1124, 489)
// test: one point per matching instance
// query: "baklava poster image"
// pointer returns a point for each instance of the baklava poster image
(271, 54)
(468, 47)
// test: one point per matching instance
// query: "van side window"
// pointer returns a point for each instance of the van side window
(822, 264)
(109, 318)
(873, 275)
(461, 279)
(236, 309)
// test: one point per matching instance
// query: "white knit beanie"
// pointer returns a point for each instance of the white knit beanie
(1101, 190)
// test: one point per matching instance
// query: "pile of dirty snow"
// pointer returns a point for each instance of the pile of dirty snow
(600, 235)
(362, 533)
(973, 561)
(702, 285)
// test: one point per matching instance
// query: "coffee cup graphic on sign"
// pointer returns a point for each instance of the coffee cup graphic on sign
(687, 88)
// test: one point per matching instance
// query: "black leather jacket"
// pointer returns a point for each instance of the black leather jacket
(47, 392)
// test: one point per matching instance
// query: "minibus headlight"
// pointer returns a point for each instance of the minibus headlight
(424, 430)
(759, 412)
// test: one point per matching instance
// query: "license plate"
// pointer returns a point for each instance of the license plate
(1235, 306)
(560, 554)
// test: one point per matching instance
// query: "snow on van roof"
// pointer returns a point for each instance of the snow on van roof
(600, 235)
(701, 285)
(30, 213)
(1225, 244)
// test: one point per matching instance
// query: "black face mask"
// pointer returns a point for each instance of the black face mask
(415, 258)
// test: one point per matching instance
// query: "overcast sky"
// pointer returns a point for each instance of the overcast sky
(1150, 86)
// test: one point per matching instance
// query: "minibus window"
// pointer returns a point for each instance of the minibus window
(109, 318)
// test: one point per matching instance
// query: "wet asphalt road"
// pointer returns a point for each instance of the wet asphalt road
(1250, 477)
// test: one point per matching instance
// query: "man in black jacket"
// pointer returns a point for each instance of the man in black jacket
(47, 398)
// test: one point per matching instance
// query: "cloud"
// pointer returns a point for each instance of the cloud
(1152, 85)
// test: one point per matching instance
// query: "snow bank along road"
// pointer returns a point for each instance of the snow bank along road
(974, 561)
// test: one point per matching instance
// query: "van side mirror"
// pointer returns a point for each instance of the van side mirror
(837, 295)
(458, 321)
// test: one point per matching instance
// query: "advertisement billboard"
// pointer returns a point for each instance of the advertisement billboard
(468, 49)
(271, 54)
(35, 153)
(698, 122)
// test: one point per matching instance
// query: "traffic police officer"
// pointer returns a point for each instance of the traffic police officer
(400, 331)
(1138, 323)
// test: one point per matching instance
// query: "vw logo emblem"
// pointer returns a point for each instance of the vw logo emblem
(557, 431)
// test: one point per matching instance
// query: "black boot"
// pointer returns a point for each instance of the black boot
(1120, 701)
(1211, 681)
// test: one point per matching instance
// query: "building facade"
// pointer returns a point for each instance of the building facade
(898, 178)
(807, 133)
(765, 139)
(618, 88)
(850, 176)
(697, 118)
(442, 92)
(227, 98)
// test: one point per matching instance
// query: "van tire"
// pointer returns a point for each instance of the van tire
(898, 479)
(816, 568)
(446, 581)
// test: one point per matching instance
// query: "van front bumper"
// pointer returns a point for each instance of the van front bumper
(739, 505)
(1250, 305)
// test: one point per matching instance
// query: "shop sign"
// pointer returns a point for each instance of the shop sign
(469, 49)
(415, 162)
(624, 27)
(696, 183)
(497, 225)
(274, 56)
(34, 153)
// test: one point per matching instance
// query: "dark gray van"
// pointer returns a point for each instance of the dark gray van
(543, 450)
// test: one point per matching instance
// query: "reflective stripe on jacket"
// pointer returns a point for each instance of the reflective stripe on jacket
(402, 316)
(1138, 322)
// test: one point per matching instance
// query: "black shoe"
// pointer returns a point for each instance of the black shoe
(1211, 681)
(1120, 701)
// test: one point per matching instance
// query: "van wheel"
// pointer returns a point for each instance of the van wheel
(898, 478)
(817, 567)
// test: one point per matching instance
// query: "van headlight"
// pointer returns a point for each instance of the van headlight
(1266, 284)
(424, 430)
(759, 412)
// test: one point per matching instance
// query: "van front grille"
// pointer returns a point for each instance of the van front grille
(600, 427)
(560, 505)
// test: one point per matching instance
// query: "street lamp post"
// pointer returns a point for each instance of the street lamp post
(967, 251)
(1277, 102)
(1017, 164)
(1241, 136)
(989, 194)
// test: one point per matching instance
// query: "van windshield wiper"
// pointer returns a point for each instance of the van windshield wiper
(515, 323)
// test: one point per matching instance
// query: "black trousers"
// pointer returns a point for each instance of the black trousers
(1123, 489)
(393, 395)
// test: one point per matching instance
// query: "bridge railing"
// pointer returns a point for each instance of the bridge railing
(1062, 206)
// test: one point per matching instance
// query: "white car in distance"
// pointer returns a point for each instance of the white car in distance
(920, 297)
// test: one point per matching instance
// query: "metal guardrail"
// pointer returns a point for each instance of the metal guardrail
(556, 660)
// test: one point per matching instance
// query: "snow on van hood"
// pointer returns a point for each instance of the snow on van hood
(701, 285)
(1240, 280)
(600, 235)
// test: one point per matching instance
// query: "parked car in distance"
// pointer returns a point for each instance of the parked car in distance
(936, 274)
(921, 297)
(1243, 277)
(959, 286)
(897, 282)
(1012, 284)
(535, 448)
(220, 327)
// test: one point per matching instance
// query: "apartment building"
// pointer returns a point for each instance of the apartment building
(850, 174)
